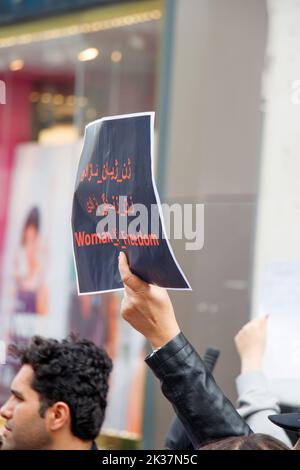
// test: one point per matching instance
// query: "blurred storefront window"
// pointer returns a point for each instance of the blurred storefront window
(74, 73)
(64, 71)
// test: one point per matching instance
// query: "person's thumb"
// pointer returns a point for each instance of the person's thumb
(129, 279)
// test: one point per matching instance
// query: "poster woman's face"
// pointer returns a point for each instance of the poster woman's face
(30, 242)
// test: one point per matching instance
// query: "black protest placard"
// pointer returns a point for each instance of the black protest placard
(116, 208)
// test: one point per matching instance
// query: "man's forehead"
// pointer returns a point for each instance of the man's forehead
(23, 378)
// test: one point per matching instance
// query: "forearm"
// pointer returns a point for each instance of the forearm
(199, 403)
(256, 403)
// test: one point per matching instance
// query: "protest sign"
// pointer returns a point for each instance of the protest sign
(116, 208)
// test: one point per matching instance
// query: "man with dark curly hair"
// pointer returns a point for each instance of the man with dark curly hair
(58, 398)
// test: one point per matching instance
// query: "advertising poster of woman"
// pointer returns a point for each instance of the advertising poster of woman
(39, 291)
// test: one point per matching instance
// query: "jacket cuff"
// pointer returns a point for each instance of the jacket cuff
(155, 361)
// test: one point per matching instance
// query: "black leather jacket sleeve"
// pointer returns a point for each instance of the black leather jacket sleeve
(200, 404)
(177, 438)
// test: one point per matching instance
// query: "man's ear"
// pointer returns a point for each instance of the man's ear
(58, 416)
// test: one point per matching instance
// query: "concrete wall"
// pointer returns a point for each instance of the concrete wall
(213, 149)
